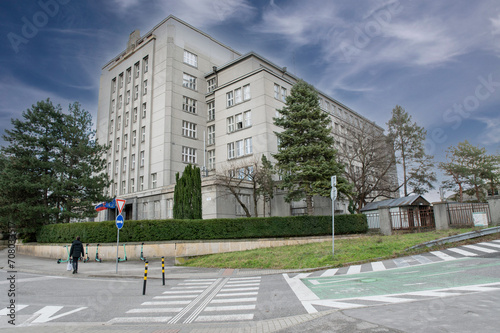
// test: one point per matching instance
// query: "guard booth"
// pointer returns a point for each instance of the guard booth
(411, 213)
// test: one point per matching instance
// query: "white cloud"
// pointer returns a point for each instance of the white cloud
(491, 135)
(495, 23)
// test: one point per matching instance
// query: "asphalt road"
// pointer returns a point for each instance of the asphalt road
(450, 291)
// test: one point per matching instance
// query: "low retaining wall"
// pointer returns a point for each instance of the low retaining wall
(165, 249)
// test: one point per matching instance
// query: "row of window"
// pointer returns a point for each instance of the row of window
(127, 96)
(239, 148)
(124, 163)
(128, 74)
(134, 139)
(134, 118)
(239, 121)
(238, 95)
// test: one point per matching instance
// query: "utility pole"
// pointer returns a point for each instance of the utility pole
(333, 195)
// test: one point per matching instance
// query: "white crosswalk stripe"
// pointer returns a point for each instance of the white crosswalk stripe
(479, 248)
(463, 252)
(199, 300)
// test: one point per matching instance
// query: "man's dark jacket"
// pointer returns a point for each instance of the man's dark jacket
(76, 249)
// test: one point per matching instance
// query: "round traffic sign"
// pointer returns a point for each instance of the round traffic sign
(119, 221)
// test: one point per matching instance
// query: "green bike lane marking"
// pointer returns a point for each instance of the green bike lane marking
(440, 275)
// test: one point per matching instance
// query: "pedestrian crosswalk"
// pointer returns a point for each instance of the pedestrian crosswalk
(421, 259)
(200, 300)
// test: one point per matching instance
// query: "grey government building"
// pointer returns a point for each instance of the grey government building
(177, 96)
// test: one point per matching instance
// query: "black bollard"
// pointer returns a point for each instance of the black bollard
(145, 277)
(163, 269)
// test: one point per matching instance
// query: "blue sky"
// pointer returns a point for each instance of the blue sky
(440, 60)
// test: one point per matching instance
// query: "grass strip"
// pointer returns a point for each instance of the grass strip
(348, 251)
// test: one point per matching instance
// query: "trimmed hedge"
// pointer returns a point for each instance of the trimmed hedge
(166, 230)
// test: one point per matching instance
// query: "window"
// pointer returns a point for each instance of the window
(239, 148)
(142, 158)
(112, 106)
(128, 97)
(118, 123)
(189, 104)
(136, 69)
(190, 58)
(237, 96)
(189, 129)
(120, 80)
(132, 162)
(283, 94)
(246, 92)
(230, 150)
(141, 182)
(132, 183)
(248, 118)
(111, 127)
(245, 198)
(211, 159)
(135, 114)
(188, 81)
(153, 180)
(230, 124)
(276, 91)
(125, 141)
(113, 85)
(109, 168)
(117, 144)
(239, 121)
(115, 189)
(124, 164)
(211, 85)
(134, 137)
(120, 102)
(211, 111)
(143, 133)
(145, 64)
(123, 187)
(117, 166)
(211, 134)
(129, 75)
(248, 146)
(136, 92)
(230, 99)
(126, 118)
(188, 155)
(144, 110)
(145, 87)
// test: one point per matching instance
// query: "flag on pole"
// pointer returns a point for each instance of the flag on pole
(106, 205)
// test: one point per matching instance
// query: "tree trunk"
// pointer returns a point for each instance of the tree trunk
(310, 209)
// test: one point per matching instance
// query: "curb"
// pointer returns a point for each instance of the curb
(458, 238)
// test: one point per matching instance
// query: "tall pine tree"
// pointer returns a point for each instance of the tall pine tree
(53, 168)
(408, 139)
(306, 157)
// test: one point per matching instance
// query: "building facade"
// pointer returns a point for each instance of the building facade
(176, 96)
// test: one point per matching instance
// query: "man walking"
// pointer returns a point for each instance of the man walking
(76, 252)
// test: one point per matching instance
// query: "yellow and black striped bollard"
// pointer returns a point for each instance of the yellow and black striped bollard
(145, 277)
(163, 269)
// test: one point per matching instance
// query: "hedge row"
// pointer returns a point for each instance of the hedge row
(165, 230)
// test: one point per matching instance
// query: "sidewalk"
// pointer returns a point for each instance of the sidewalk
(126, 269)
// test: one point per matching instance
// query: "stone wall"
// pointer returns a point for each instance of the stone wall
(166, 249)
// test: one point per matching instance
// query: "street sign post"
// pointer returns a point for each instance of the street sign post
(333, 195)
(120, 221)
(120, 203)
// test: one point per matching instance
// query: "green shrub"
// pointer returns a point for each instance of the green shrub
(238, 228)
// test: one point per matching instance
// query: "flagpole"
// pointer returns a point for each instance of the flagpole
(117, 244)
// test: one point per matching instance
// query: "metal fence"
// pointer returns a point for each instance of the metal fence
(373, 220)
(464, 214)
(413, 218)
